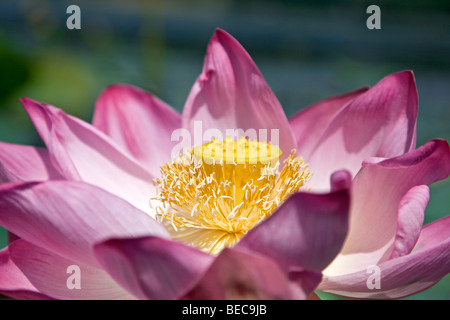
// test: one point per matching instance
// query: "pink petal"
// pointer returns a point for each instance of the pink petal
(138, 122)
(311, 122)
(381, 193)
(238, 275)
(13, 283)
(306, 281)
(307, 231)
(341, 180)
(81, 152)
(12, 237)
(152, 268)
(232, 94)
(51, 273)
(405, 275)
(410, 219)
(25, 163)
(379, 123)
(68, 217)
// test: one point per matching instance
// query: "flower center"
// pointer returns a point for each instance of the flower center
(211, 196)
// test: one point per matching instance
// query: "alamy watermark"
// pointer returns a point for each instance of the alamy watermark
(374, 20)
(74, 20)
(374, 280)
(74, 280)
(197, 137)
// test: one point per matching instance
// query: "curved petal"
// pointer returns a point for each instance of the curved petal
(138, 122)
(68, 217)
(311, 122)
(307, 231)
(25, 163)
(237, 275)
(378, 123)
(13, 283)
(55, 276)
(378, 190)
(151, 267)
(232, 94)
(405, 275)
(81, 152)
(410, 218)
(341, 180)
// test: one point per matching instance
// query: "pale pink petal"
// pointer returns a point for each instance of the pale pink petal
(402, 276)
(307, 231)
(138, 122)
(232, 94)
(68, 217)
(243, 275)
(311, 122)
(81, 152)
(432, 234)
(25, 163)
(410, 218)
(378, 190)
(54, 275)
(152, 267)
(13, 283)
(378, 123)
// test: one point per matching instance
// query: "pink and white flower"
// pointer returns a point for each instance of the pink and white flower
(84, 200)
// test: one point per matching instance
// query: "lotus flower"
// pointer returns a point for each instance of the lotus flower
(84, 200)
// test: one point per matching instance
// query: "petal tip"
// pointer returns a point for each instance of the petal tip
(404, 77)
(29, 103)
(221, 34)
(341, 180)
(227, 41)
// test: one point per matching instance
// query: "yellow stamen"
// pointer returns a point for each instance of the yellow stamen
(214, 194)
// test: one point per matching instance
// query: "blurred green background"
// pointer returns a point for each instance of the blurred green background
(306, 50)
